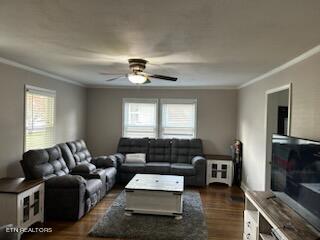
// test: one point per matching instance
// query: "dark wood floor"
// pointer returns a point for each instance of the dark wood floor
(224, 216)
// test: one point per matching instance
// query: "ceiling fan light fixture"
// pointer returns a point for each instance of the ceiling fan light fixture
(137, 74)
(137, 79)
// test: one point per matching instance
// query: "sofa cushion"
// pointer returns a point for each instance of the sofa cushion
(44, 163)
(132, 167)
(158, 167)
(159, 150)
(183, 169)
(67, 155)
(133, 145)
(184, 150)
(93, 186)
(80, 151)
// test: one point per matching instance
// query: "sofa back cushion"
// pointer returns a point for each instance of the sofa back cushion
(67, 156)
(183, 150)
(159, 150)
(44, 163)
(133, 145)
(80, 152)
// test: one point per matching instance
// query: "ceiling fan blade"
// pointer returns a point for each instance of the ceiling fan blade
(116, 78)
(162, 77)
(112, 74)
(147, 82)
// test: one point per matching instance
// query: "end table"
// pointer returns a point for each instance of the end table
(219, 169)
(21, 201)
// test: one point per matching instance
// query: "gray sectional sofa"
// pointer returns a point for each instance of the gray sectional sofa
(75, 181)
(163, 156)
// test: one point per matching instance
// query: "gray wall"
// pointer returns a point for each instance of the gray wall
(305, 121)
(217, 116)
(71, 113)
(96, 114)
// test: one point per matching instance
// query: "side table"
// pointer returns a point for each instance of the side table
(21, 202)
(219, 169)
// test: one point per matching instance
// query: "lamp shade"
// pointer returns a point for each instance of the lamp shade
(136, 78)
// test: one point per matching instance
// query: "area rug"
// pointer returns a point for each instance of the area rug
(114, 224)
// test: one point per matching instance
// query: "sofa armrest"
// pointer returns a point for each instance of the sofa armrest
(65, 197)
(104, 161)
(200, 164)
(66, 181)
(198, 160)
(120, 158)
(83, 168)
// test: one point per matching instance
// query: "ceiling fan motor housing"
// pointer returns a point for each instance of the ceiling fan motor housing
(137, 64)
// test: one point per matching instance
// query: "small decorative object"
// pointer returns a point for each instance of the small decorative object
(236, 149)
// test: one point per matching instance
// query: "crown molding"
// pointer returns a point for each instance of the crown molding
(133, 87)
(38, 71)
(282, 67)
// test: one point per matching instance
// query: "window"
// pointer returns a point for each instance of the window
(178, 118)
(140, 118)
(39, 118)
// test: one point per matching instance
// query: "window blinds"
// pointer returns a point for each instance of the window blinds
(39, 118)
(140, 118)
(178, 118)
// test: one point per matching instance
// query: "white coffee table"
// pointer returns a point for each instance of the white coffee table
(155, 194)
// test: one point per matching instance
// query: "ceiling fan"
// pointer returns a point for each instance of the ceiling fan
(137, 74)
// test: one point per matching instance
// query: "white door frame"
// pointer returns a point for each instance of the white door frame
(267, 93)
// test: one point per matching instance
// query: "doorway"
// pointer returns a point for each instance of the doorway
(278, 114)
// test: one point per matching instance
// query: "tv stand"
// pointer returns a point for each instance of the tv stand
(268, 218)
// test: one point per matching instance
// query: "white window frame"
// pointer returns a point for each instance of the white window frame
(179, 101)
(140, 100)
(42, 91)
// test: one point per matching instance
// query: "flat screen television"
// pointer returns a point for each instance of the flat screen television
(295, 175)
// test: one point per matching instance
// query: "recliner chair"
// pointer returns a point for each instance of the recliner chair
(67, 196)
(80, 161)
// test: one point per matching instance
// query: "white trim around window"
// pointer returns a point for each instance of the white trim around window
(161, 118)
(178, 132)
(43, 121)
(151, 127)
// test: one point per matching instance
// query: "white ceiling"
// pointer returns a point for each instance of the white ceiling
(202, 42)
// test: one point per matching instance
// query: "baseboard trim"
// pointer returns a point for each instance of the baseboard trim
(244, 187)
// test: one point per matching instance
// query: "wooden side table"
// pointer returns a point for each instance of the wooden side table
(219, 169)
(21, 202)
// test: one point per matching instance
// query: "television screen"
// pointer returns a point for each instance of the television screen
(295, 175)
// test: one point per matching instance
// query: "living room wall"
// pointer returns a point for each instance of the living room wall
(70, 115)
(217, 116)
(305, 114)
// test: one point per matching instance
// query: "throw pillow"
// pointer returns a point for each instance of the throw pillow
(136, 158)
